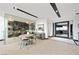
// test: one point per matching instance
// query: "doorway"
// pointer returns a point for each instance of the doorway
(71, 30)
(62, 29)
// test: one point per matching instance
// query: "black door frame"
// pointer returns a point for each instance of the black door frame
(54, 28)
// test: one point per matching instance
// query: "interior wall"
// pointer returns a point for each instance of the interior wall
(9, 17)
(76, 27)
(6, 26)
(64, 19)
(43, 21)
(50, 27)
(74, 20)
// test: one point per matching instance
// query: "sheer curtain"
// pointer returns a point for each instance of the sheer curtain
(1, 27)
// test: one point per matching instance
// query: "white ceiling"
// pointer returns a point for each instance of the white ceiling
(42, 10)
(68, 10)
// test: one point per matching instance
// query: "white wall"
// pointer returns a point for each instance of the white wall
(71, 21)
(75, 27)
(2, 25)
(43, 21)
(15, 18)
(50, 27)
(74, 20)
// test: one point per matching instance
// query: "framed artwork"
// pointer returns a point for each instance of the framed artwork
(41, 27)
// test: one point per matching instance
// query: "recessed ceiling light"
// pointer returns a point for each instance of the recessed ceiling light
(53, 5)
(27, 22)
(56, 11)
(11, 18)
(13, 7)
(75, 10)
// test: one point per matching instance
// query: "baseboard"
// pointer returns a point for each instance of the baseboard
(1, 39)
(63, 40)
(45, 38)
(50, 36)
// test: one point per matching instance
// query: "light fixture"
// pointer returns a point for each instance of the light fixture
(13, 7)
(53, 5)
(56, 11)
(11, 18)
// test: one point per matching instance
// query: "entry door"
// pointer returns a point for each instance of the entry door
(71, 30)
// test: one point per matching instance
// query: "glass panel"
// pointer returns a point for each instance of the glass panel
(61, 29)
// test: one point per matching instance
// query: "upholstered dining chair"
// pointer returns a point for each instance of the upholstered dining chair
(23, 40)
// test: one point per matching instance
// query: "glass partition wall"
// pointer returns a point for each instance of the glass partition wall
(62, 29)
(15, 28)
(18, 25)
